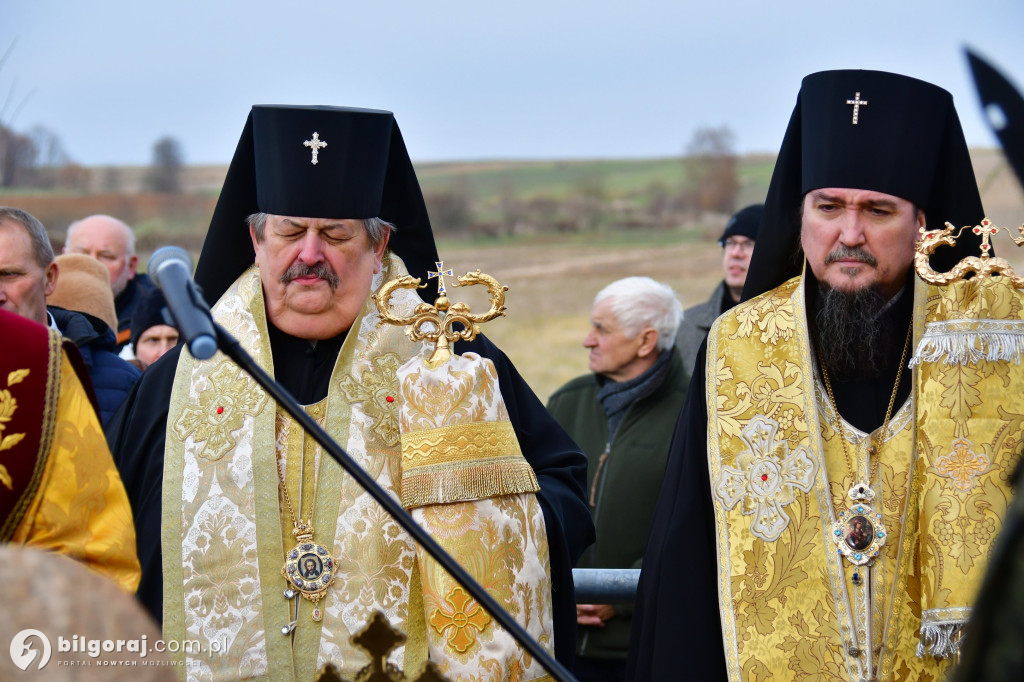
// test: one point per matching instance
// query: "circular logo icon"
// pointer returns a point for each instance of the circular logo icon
(23, 653)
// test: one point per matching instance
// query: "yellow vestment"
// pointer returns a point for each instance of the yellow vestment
(81, 509)
(791, 605)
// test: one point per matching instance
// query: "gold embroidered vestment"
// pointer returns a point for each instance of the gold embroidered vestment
(790, 605)
(225, 533)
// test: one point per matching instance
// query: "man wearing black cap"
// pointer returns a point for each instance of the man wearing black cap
(151, 335)
(737, 242)
(320, 208)
(802, 510)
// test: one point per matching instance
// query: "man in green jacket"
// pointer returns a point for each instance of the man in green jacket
(622, 415)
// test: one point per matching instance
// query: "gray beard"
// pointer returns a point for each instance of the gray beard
(852, 341)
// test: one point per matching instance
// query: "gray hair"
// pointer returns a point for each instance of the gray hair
(640, 302)
(129, 241)
(375, 228)
(42, 250)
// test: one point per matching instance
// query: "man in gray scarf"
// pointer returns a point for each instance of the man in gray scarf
(622, 415)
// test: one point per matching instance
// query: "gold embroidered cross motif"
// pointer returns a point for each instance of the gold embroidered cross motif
(857, 103)
(8, 405)
(376, 389)
(962, 464)
(461, 624)
(221, 411)
(765, 479)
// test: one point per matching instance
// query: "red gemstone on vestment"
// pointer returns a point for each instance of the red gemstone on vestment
(391, 399)
(220, 410)
(764, 477)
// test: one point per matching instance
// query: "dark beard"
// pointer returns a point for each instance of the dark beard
(852, 341)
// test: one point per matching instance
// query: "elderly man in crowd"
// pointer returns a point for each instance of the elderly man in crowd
(622, 415)
(737, 242)
(320, 209)
(112, 242)
(30, 275)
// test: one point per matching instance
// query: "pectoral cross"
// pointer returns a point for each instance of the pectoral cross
(857, 102)
(316, 144)
(440, 276)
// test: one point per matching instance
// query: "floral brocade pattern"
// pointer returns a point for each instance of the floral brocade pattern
(969, 442)
(457, 442)
(464, 390)
(501, 542)
(790, 607)
(224, 525)
(231, 547)
(471, 488)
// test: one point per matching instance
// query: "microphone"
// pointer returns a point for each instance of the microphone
(170, 267)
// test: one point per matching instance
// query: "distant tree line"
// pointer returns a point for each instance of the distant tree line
(37, 159)
(710, 185)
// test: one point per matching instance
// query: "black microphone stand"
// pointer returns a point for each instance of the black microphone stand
(229, 345)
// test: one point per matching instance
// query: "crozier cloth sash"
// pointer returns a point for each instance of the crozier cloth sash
(790, 604)
(469, 486)
(30, 363)
(970, 377)
(222, 528)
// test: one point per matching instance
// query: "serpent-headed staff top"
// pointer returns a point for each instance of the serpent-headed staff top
(438, 322)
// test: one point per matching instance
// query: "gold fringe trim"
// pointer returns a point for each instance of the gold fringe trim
(473, 442)
(463, 482)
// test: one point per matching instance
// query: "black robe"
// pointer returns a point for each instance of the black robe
(136, 438)
(677, 631)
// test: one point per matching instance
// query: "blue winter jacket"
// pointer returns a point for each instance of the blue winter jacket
(112, 377)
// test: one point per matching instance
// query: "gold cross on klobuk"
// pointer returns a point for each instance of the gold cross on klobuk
(857, 103)
(316, 144)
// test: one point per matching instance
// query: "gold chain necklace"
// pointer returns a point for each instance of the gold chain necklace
(309, 567)
(859, 532)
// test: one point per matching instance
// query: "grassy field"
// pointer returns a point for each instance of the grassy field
(633, 181)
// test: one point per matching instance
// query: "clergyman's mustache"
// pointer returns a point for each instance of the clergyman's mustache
(321, 270)
(843, 252)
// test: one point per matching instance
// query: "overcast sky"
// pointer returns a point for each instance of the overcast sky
(473, 79)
